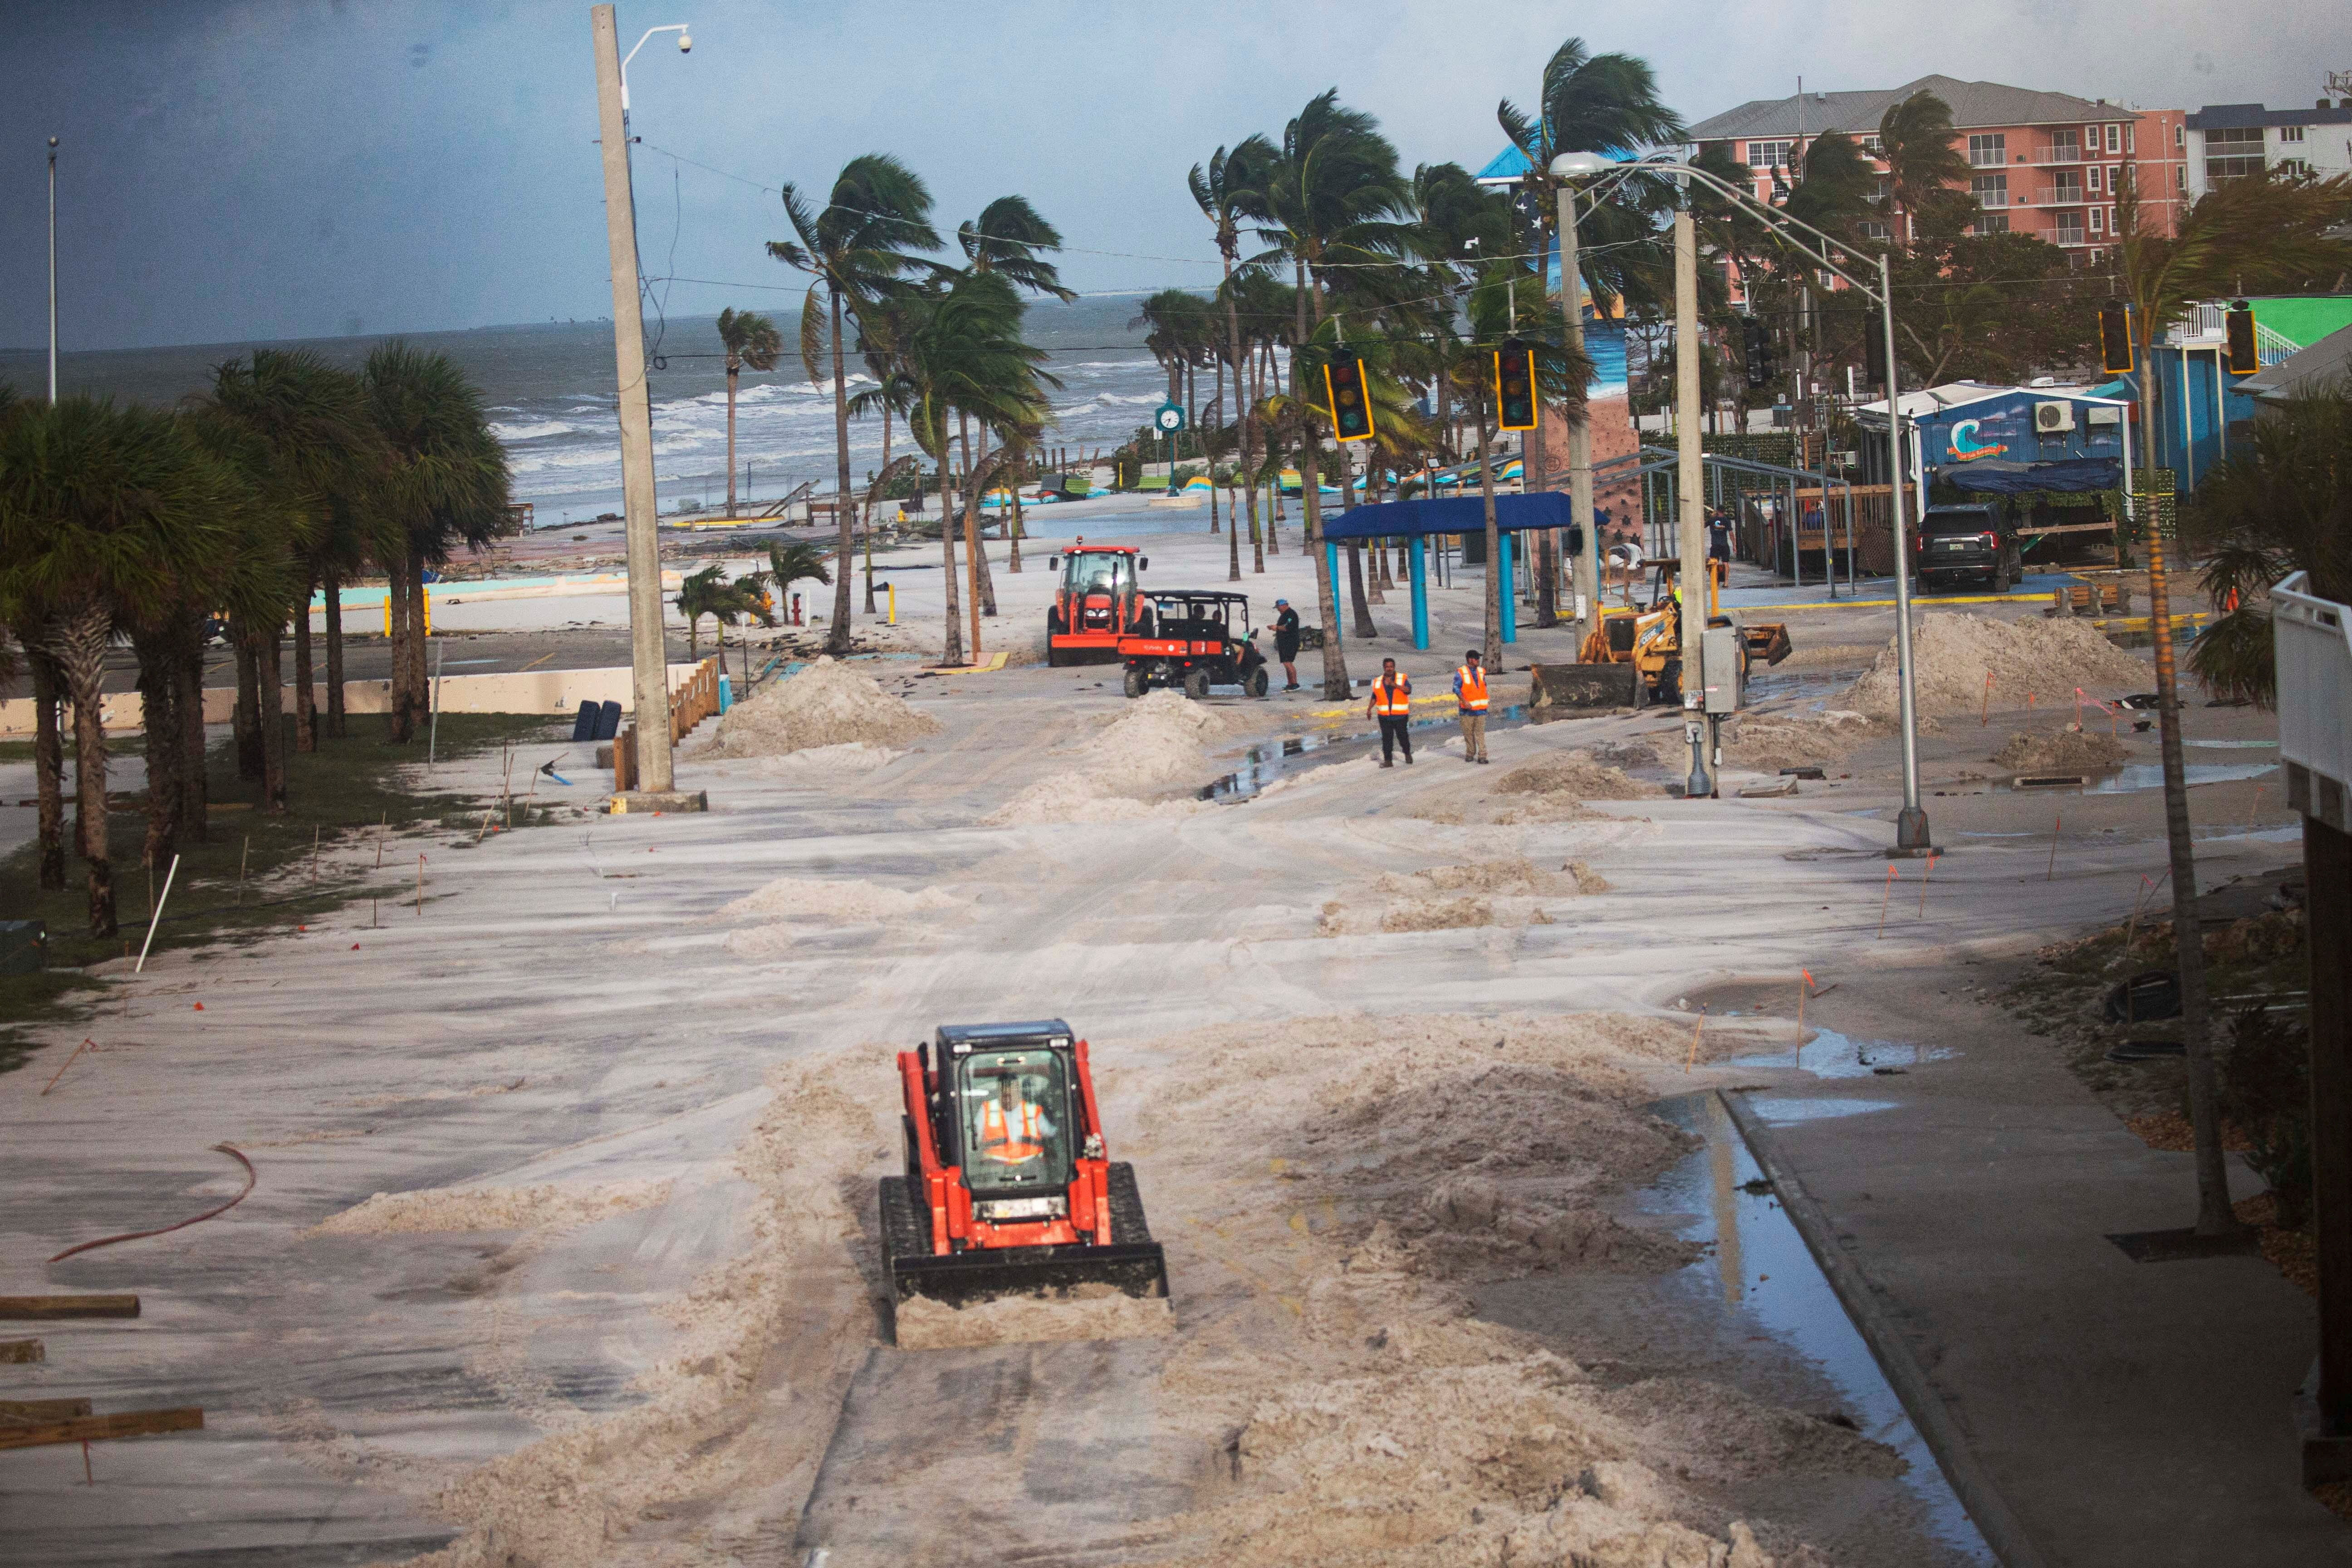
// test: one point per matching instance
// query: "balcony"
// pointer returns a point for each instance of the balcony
(2061, 152)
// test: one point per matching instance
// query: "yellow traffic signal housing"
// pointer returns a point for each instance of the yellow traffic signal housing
(2245, 353)
(2115, 338)
(1515, 385)
(1351, 407)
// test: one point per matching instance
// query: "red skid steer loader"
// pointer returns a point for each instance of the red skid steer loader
(1010, 1190)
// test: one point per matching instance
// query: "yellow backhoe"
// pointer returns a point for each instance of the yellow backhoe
(1651, 639)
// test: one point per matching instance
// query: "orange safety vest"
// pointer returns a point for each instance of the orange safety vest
(1392, 700)
(996, 1139)
(1474, 687)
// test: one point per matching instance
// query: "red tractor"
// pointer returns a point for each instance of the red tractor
(1095, 604)
(1009, 1190)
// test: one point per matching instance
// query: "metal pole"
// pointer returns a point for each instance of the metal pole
(1690, 496)
(1580, 423)
(53, 271)
(1911, 827)
(647, 655)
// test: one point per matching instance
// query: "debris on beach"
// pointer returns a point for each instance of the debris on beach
(1953, 654)
(826, 704)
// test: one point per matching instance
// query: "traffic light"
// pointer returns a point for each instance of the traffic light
(2245, 354)
(1352, 410)
(1515, 385)
(2115, 338)
(1874, 354)
(1757, 338)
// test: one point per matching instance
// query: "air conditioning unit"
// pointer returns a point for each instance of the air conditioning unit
(2052, 418)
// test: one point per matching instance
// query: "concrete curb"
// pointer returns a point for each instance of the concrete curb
(1864, 1304)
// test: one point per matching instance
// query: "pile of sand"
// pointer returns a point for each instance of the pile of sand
(547, 1206)
(826, 704)
(1085, 1312)
(2061, 750)
(1513, 875)
(1952, 654)
(1795, 740)
(1366, 1415)
(1578, 775)
(838, 904)
(1153, 746)
(787, 1321)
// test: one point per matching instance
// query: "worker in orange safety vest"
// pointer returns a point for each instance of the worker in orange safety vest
(1392, 704)
(1470, 699)
(1013, 1129)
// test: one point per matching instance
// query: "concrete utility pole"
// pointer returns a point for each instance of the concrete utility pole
(647, 657)
(1691, 494)
(1579, 422)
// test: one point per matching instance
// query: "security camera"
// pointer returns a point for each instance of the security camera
(685, 43)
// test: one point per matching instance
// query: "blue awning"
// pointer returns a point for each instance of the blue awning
(1450, 514)
(1995, 477)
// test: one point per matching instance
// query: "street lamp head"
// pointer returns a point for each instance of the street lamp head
(685, 43)
(53, 142)
(1577, 165)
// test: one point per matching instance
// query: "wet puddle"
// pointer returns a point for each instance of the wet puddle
(2134, 777)
(1758, 1270)
(1827, 1054)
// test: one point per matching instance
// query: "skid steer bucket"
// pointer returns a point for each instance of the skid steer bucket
(961, 1278)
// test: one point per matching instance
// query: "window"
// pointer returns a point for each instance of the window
(1988, 152)
(2098, 220)
(2290, 132)
(2094, 178)
(2181, 176)
(1875, 230)
(1768, 154)
(2065, 145)
(2131, 143)
(2115, 138)
(2294, 166)
(2233, 154)
(2066, 185)
(1989, 190)
(2181, 133)
(2070, 229)
(1993, 223)
(1873, 147)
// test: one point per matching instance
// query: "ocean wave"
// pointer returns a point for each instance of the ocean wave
(544, 429)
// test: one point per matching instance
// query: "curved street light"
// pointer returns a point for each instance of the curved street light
(1911, 827)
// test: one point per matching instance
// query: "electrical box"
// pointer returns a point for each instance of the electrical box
(1722, 667)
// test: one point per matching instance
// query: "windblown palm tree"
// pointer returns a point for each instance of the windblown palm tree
(750, 340)
(793, 560)
(1332, 196)
(445, 484)
(1220, 192)
(104, 514)
(1923, 167)
(858, 247)
(1009, 237)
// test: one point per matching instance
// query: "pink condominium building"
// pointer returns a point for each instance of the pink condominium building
(2044, 164)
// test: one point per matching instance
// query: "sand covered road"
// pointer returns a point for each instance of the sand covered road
(643, 1063)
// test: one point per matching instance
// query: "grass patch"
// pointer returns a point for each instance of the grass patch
(344, 793)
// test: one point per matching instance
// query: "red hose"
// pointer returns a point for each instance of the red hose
(165, 1230)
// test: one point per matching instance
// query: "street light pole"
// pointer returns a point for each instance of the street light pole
(1689, 497)
(1579, 421)
(1911, 826)
(53, 272)
(648, 656)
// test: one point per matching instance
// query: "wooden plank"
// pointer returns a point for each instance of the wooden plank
(95, 1428)
(23, 1351)
(35, 1309)
(18, 1410)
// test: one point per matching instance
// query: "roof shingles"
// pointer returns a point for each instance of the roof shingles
(1973, 104)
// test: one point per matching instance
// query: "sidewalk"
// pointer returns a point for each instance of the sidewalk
(2128, 1413)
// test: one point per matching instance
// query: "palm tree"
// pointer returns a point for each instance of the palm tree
(1010, 237)
(708, 593)
(1923, 167)
(749, 339)
(2256, 234)
(861, 244)
(1218, 192)
(102, 512)
(1332, 196)
(445, 483)
(1587, 103)
(792, 561)
(963, 357)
